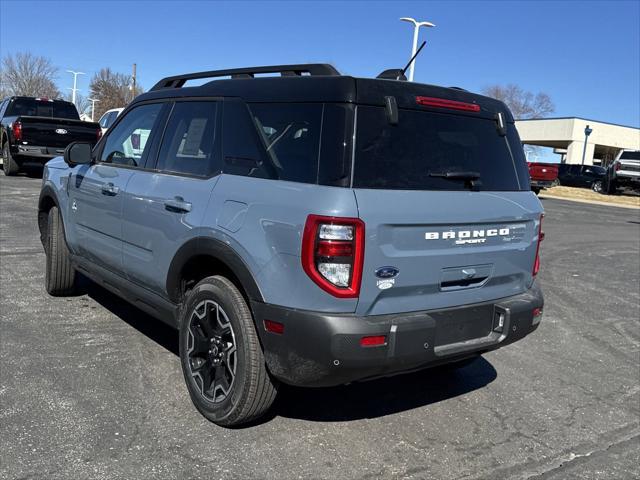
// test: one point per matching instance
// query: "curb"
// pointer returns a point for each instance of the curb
(591, 202)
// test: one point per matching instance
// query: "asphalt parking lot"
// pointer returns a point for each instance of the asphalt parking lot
(92, 388)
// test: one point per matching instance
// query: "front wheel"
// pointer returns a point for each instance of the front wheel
(221, 356)
(60, 276)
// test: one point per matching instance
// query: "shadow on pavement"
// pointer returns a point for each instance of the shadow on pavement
(375, 398)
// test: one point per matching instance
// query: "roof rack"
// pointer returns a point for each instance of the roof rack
(178, 81)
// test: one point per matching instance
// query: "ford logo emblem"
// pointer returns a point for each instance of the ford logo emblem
(61, 131)
(387, 272)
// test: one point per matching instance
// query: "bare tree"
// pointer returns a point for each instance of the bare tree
(83, 104)
(112, 90)
(29, 75)
(523, 104)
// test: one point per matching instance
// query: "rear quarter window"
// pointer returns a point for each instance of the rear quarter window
(424, 143)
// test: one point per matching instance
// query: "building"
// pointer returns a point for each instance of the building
(567, 136)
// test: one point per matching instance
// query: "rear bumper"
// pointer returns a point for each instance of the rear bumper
(323, 349)
(36, 153)
(542, 183)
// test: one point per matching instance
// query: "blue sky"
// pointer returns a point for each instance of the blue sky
(585, 54)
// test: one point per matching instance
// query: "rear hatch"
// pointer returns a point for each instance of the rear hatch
(449, 216)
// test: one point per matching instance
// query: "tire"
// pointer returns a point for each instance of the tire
(9, 166)
(60, 276)
(216, 325)
(597, 186)
(536, 190)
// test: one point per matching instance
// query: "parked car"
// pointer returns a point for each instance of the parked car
(310, 228)
(624, 172)
(585, 176)
(34, 130)
(108, 118)
(542, 175)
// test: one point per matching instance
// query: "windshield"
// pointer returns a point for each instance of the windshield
(31, 107)
(436, 151)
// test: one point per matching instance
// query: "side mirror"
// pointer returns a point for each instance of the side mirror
(78, 153)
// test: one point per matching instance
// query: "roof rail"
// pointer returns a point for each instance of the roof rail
(178, 81)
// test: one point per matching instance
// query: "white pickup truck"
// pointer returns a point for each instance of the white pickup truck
(624, 172)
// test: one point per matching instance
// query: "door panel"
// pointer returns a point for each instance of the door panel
(95, 193)
(161, 212)
(163, 209)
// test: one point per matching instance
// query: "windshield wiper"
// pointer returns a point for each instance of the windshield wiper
(456, 175)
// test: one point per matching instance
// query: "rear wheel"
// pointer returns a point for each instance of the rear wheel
(9, 166)
(60, 276)
(221, 356)
(597, 186)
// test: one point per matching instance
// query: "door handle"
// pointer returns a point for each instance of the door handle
(109, 189)
(177, 205)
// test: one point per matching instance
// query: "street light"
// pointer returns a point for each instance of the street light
(416, 27)
(587, 132)
(75, 82)
(93, 106)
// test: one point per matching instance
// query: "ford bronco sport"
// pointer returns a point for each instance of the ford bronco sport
(307, 228)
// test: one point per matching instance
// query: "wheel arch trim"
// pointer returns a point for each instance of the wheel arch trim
(218, 250)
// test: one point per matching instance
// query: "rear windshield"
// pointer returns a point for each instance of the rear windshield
(30, 107)
(424, 147)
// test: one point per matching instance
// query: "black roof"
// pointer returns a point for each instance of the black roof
(322, 83)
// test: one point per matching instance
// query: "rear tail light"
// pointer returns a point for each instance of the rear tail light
(333, 254)
(98, 134)
(536, 264)
(617, 167)
(450, 104)
(17, 131)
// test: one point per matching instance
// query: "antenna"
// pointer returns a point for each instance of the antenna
(412, 59)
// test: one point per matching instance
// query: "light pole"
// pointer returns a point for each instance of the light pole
(587, 132)
(93, 106)
(416, 28)
(75, 83)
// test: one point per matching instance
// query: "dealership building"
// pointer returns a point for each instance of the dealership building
(567, 137)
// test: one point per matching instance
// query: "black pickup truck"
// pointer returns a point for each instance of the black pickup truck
(34, 130)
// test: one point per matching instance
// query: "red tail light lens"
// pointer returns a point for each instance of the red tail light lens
(450, 104)
(98, 134)
(617, 167)
(17, 131)
(333, 254)
(536, 264)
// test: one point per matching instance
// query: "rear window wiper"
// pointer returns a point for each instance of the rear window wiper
(456, 175)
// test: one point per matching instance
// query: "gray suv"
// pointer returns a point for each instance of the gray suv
(305, 228)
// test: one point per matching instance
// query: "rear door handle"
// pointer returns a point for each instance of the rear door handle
(109, 189)
(177, 205)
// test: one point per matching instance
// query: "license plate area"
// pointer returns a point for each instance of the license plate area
(461, 325)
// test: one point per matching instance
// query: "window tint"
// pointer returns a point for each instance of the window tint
(630, 155)
(423, 147)
(42, 108)
(188, 143)
(291, 136)
(127, 143)
(244, 151)
(336, 147)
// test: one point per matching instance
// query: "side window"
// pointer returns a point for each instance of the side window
(291, 135)
(3, 106)
(111, 118)
(189, 141)
(127, 143)
(103, 120)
